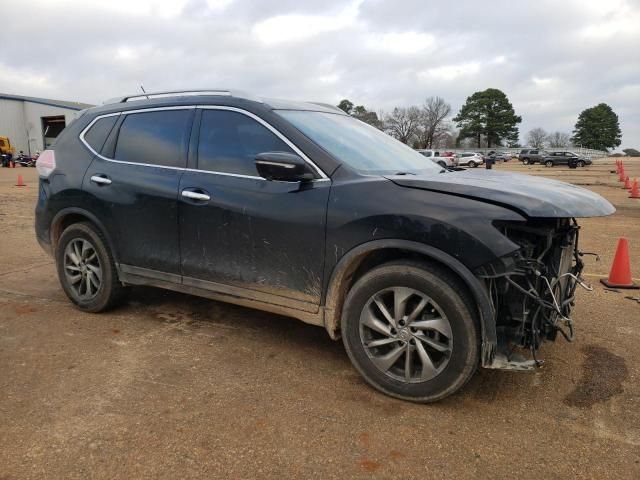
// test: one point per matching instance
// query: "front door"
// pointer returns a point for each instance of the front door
(263, 239)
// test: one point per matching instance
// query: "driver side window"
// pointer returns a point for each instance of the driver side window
(229, 142)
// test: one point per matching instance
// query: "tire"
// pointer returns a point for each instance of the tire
(457, 338)
(581, 163)
(525, 161)
(548, 163)
(82, 251)
(472, 164)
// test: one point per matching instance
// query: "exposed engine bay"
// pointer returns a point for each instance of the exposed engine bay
(533, 291)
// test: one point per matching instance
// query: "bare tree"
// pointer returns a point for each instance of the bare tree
(559, 140)
(446, 138)
(432, 121)
(536, 137)
(403, 123)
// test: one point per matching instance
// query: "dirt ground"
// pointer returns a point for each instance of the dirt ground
(172, 386)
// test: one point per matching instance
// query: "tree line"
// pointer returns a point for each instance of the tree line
(487, 119)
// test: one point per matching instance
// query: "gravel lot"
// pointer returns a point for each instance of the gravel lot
(172, 386)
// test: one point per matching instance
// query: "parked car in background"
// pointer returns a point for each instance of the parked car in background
(442, 160)
(470, 159)
(565, 158)
(499, 156)
(531, 155)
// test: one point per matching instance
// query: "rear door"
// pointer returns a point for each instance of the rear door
(257, 238)
(560, 158)
(134, 187)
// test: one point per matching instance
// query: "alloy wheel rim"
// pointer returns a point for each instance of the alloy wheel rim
(82, 268)
(406, 335)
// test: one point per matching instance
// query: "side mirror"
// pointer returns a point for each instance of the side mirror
(283, 166)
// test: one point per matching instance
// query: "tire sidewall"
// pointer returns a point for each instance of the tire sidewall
(84, 231)
(465, 354)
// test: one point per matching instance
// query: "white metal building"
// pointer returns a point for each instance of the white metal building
(33, 123)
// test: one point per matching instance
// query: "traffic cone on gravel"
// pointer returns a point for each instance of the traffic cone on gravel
(617, 166)
(627, 183)
(20, 182)
(620, 274)
(635, 190)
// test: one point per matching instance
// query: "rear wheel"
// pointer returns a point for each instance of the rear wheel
(548, 163)
(472, 164)
(409, 329)
(86, 269)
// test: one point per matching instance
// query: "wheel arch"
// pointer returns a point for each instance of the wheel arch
(366, 256)
(71, 215)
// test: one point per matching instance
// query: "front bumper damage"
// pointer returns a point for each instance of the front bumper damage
(532, 291)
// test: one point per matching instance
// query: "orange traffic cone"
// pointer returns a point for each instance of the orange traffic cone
(627, 183)
(621, 179)
(620, 274)
(20, 182)
(635, 190)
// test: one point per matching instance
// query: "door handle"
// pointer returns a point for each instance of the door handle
(195, 195)
(100, 180)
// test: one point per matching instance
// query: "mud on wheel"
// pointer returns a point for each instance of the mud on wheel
(86, 269)
(410, 331)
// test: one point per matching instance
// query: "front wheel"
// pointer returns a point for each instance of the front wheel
(548, 163)
(409, 329)
(86, 269)
(581, 163)
(472, 164)
(525, 161)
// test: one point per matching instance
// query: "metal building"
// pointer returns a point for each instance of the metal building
(33, 123)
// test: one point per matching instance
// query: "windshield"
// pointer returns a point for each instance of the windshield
(359, 145)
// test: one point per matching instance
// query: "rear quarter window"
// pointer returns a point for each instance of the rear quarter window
(99, 131)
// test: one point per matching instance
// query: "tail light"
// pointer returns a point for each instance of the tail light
(46, 163)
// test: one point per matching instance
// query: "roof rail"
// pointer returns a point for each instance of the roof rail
(329, 106)
(183, 93)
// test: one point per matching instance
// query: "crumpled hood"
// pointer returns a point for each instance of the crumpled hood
(534, 196)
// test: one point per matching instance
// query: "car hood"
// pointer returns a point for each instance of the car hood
(533, 196)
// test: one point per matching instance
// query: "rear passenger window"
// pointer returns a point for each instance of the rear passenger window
(99, 132)
(229, 142)
(154, 138)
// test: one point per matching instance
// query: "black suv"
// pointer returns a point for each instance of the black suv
(299, 209)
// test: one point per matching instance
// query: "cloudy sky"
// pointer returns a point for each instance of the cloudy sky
(552, 58)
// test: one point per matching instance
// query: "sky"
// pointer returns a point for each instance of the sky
(553, 59)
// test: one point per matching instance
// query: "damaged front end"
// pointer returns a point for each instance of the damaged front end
(532, 291)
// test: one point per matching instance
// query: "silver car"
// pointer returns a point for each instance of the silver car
(470, 159)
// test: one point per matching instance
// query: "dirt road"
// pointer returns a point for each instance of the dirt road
(171, 386)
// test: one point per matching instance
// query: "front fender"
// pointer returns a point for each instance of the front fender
(348, 264)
